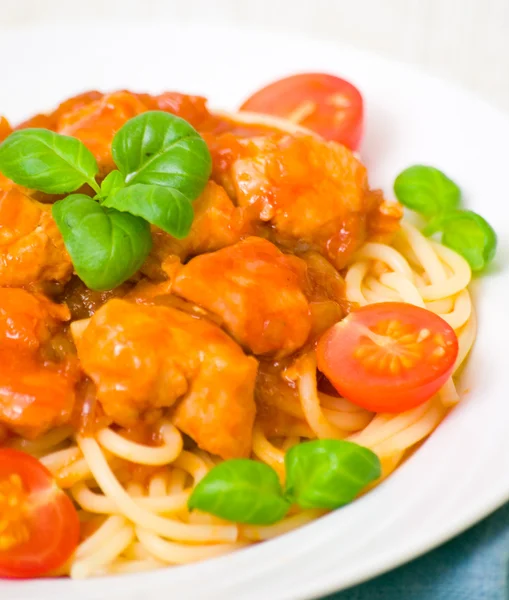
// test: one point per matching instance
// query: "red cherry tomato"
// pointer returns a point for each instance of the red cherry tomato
(326, 104)
(388, 357)
(39, 526)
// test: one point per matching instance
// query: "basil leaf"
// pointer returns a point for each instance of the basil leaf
(241, 490)
(470, 235)
(426, 190)
(159, 148)
(106, 246)
(113, 182)
(165, 207)
(47, 161)
(328, 473)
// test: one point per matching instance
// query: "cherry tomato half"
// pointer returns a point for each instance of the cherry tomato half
(39, 526)
(326, 104)
(388, 357)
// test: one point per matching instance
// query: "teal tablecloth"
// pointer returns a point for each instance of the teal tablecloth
(473, 566)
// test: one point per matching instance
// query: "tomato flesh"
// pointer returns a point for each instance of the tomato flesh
(39, 526)
(388, 357)
(328, 105)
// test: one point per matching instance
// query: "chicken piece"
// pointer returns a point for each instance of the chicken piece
(96, 123)
(313, 193)
(325, 291)
(225, 149)
(31, 247)
(51, 119)
(256, 290)
(384, 216)
(5, 184)
(36, 393)
(19, 215)
(5, 128)
(143, 358)
(217, 223)
(191, 108)
(34, 396)
(28, 320)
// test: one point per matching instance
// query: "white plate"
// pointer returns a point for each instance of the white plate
(462, 472)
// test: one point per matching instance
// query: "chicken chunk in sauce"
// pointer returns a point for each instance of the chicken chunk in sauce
(36, 385)
(32, 250)
(143, 358)
(217, 223)
(256, 290)
(314, 194)
(96, 123)
(5, 129)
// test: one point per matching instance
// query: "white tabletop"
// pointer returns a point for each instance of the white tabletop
(466, 41)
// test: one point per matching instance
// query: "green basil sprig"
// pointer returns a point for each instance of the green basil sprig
(319, 474)
(162, 206)
(95, 236)
(328, 473)
(431, 193)
(47, 161)
(426, 190)
(111, 184)
(471, 236)
(241, 490)
(163, 165)
(158, 148)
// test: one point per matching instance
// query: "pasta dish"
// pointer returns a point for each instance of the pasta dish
(212, 329)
